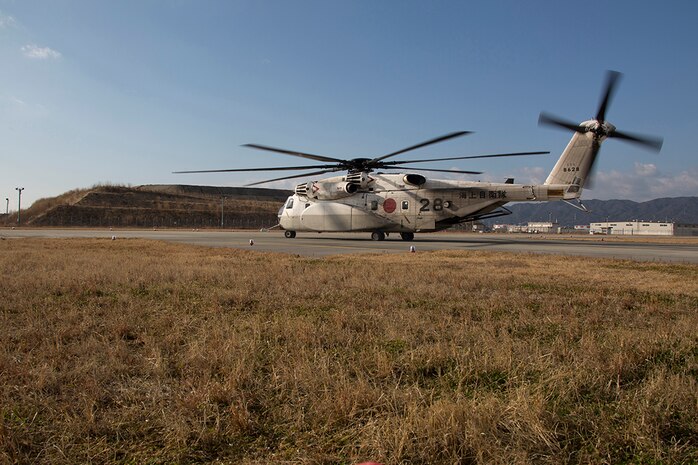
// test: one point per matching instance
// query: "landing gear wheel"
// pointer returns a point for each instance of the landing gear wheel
(407, 236)
(290, 234)
(377, 235)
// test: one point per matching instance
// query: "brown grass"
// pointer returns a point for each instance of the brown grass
(131, 351)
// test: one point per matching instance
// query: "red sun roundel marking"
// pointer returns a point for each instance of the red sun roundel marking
(389, 205)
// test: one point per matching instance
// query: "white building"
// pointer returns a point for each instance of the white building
(509, 228)
(530, 228)
(543, 227)
(647, 228)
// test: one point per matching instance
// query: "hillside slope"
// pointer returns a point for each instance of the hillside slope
(159, 206)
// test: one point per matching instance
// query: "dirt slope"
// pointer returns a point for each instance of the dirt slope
(158, 206)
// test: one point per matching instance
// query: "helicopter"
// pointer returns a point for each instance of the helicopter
(366, 199)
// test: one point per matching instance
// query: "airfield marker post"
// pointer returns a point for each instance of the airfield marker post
(19, 203)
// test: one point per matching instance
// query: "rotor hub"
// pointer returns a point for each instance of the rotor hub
(357, 165)
(602, 129)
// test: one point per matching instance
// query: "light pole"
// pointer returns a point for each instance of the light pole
(19, 203)
(222, 200)
(7, 206)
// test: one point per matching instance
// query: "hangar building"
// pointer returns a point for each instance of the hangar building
(646, 228)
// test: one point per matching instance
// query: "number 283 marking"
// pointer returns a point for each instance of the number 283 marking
(438, 205)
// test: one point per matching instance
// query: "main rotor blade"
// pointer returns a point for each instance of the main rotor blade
(294, 153)
(649, 142)
(273, 168)
(423, 144)
(514, 154)
(431, 169)
(612, 78)
(550, 120)
(295, 176)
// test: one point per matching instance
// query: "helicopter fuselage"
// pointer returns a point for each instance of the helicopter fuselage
(405, 203)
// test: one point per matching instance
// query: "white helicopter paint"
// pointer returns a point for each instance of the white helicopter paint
(366, 199)
(408, 203)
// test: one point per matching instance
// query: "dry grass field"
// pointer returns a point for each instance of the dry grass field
(131, 351)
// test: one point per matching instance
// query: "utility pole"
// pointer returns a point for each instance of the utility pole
(19, 203)
(222, 200)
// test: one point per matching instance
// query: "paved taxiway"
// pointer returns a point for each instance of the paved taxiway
(310, 244)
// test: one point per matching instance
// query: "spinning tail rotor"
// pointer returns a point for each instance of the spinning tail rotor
(599, 129)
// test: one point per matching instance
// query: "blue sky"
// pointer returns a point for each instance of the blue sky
(127, 92)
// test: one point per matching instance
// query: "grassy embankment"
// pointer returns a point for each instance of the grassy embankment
(171, 206)
(142, 352)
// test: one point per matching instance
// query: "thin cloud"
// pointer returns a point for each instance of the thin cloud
(19, 109)
(6, 21)
(17, 101)
(533, 175)
(40, 53)
(645, 169)
(645, 182)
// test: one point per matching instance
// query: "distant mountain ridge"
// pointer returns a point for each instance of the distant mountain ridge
(675, 209)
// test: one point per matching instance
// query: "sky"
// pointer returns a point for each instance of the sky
(103, 92)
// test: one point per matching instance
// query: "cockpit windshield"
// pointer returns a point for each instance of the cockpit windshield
(288, 204)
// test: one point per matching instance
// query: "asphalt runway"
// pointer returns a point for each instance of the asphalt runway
(313, 244)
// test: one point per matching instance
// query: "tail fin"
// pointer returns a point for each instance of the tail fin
(574, 166)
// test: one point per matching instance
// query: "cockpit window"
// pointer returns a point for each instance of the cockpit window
(289, 204)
